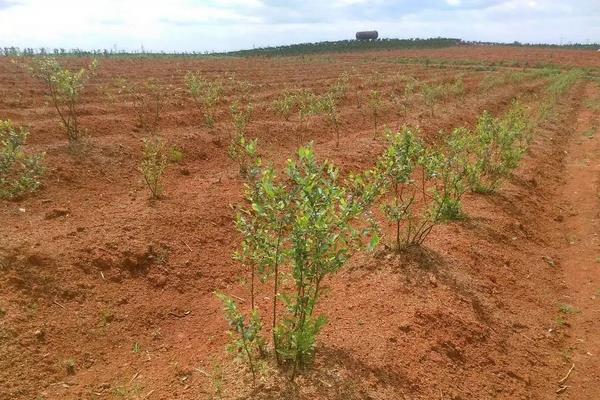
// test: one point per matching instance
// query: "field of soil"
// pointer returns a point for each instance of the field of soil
(106, 294)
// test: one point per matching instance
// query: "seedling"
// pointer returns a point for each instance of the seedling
(65, 88)
(136, 348)
(153, 164)
(339, 89)
(217, 377)
(375, 105)
(246, 341)
(307, 105)
(244, 152)
(431, 94)
(20, 172)
(148, 100)
(284, 105)
(175, 155)
(206, 95)
(328, 105)
(566, 308)
(241, 117)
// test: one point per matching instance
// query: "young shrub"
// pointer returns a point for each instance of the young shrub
(206, 94)
(499, 146)
(400, 104)
(20, 172)
(457, 88)
(321, 238)
(284, 105)
(65, 88)
(148, 101)
(327, 105)
(395, 169)
(241, 117)
(244, 153)
(431, 94)
(375, 105)
(339, 89)
(153, 164)
(245, 339)
(450, 166)
(308, 105)
(300, 228)
(491, 81)
(411, 86)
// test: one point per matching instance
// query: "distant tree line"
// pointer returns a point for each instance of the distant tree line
(288, 50)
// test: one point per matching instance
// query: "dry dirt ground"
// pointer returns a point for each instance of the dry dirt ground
(500, 305)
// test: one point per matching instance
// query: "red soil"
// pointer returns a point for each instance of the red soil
(89, 266)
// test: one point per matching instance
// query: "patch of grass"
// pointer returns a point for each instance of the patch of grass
(566, 308)
(589, 133)
(128, 391)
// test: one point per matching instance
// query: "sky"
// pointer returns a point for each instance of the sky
(221, 25)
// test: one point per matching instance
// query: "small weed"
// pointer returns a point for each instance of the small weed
(2, 312)
(589, 133)
(69, 366)
(136, 348)
(128, 391)
(106, 317)
(153, 164)
(246, 341)
(375, 105)
(217, 380)
(566, 308)
(175, 155)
